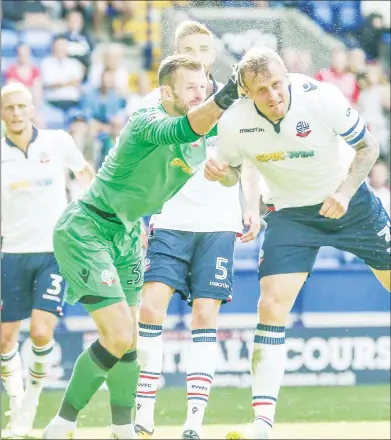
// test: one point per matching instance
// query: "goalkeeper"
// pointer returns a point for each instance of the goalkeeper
(97, 239)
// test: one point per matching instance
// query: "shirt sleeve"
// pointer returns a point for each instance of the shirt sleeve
(341, 117)
(227, 150)
(159, 129)
(73, 159)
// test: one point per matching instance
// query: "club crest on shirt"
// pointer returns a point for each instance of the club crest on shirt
(303, 129)
(44, 157)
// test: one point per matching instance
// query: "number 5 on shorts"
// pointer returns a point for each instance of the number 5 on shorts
(220, 268)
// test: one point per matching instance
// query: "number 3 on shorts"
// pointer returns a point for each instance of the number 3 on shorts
(53, 292)
(220, 261)
(136, 272)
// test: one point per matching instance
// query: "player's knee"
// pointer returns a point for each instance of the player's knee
(205, 312)
(268, 310)
(120, 341)
(41, 333)
(151, 311)
(272, 308)
(9, 337)
(150, 314)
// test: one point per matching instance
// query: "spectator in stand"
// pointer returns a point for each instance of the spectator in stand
(79, 42)
(113, 60)
(24, 14)
(106, 140)
(62, 76)
(79, 130)
(339, 75)
(357, 61)
(25, 72)
(357, 64)
(371, 35)
(379, 182)
(123, 25)
(86, 7)
(101, 104)
(100, 18)
(297, 61)
(374, 103)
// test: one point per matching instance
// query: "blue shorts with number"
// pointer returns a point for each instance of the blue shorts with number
(294, 235)
(195, 264)
(30, 281)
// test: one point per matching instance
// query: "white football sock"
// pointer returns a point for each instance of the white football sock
(201, 367)
(267, 369)
(150, 355)
(11, 373)
(39, 366)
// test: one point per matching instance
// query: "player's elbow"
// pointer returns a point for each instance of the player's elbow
(370, 144)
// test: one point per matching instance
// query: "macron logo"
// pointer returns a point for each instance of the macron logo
(251, 130)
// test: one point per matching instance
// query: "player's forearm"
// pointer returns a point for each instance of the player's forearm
(231, 178)
(367, 153)
(250, 184)
(203, 118)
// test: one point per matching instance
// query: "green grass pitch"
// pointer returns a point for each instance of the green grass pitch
(232, 405)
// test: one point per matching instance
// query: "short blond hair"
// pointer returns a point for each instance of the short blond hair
(256, 60)
(189, 27)
(171, 64)
(15, 87)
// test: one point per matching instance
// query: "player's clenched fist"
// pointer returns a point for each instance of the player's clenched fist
(215, 170)
(335, 206)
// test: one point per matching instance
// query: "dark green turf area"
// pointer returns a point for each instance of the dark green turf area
(232, 405)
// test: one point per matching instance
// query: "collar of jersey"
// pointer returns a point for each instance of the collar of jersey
(33, 139)
(277, 125)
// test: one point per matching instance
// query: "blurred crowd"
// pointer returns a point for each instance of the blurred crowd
(74, 56)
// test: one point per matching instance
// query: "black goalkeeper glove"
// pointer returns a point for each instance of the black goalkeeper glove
(232, 90)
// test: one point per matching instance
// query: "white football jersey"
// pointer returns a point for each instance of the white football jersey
(304, 158)
(201, 205)
(33, 189)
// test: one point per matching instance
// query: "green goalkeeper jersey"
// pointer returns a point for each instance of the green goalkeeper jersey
(154, 156)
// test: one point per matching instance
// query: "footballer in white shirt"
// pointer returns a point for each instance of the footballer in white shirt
(33, 196)
(191, 249)
(313, 152)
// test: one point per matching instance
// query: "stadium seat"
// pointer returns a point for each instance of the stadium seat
(349, 15)
(9, 43)
(323, 13)
(39, 40)
(54, 117)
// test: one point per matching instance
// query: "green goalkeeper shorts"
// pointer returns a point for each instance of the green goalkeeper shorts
(101, 262)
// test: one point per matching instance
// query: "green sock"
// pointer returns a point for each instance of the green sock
(89, 373)
(122, 383)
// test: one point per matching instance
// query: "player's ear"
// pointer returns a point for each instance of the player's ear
(166, 93)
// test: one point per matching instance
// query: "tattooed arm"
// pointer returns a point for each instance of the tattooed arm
(367, 152)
